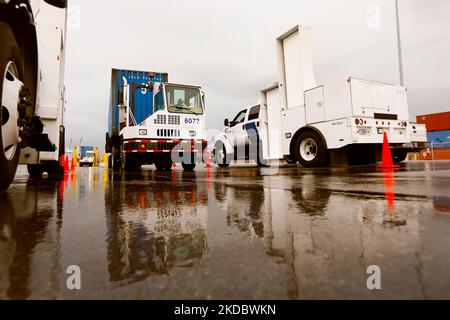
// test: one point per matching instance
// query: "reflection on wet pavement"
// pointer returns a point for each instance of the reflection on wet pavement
(249, 233)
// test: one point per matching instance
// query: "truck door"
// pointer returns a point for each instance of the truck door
(251, 127)
(141, 102)
(238, 133)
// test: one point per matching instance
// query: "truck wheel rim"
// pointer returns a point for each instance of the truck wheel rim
(10, 113)
(308, 149)
(220, 156)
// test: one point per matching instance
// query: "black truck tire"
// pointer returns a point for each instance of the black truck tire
(9, 56)
(163, 165)
(188, 166)
(130, 162)
(310, 150)
(399, 155)
(35, 170)
(221, 162)
(116, 163)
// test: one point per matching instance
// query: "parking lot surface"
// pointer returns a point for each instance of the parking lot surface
(236, 233)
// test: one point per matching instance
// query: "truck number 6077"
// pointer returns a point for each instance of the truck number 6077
(191, 120)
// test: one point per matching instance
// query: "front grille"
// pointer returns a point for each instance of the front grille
(176, 145)
(160, 119)
(170, 133)
(173, 119)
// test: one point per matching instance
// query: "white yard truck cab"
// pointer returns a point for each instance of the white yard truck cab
(156, 122)
(88, 159)
(340, 122)
(32, 55)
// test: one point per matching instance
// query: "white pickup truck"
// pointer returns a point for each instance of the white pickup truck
(340, 122)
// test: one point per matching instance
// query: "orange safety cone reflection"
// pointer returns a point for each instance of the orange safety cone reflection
(66, 164)
(208, 159)
(388, 180)
(386, 157)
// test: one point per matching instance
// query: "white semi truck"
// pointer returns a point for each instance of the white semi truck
(152, 121)
(32, 51)
(340, 122)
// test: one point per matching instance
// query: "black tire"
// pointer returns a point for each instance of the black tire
(115, 159)
(316, 154)
(107, 143)
(291, 161)
(130, 163)
(399, 156)
(225, 162)
(9, 51)
(62, 143)
(163, 165)
(35, 170)
(188, 166)
(54, 169)
(263, 163)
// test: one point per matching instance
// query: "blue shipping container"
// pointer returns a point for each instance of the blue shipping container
(439, 138)
(141, 98)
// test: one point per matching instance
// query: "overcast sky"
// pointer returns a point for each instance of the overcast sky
(228, 47)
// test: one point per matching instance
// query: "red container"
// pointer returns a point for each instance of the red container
(437, 154)
(435, 121)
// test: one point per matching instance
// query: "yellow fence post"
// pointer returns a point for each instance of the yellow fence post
(95, 164)
(75, 156)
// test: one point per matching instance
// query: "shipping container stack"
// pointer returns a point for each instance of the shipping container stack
(438, 133)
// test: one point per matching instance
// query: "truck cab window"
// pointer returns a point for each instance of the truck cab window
(184, 100)
(240, 117)
(253, 113)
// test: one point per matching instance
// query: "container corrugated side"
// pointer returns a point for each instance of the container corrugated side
(141, 99)
(439, 138)
(435, 121)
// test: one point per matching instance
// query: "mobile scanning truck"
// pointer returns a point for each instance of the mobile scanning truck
(32, 55)
(152, 121)
(341, 122)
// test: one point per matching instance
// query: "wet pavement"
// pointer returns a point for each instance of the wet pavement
(237, 233)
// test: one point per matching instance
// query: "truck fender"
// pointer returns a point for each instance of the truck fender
(223, 139)
(300, 131)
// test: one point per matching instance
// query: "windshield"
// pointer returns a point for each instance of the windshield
(184, 100)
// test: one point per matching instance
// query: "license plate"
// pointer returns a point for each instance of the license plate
(364, 131)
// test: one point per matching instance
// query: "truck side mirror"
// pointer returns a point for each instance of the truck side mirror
(226, 123)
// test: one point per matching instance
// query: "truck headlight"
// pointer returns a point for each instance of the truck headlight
(192, 133)
(142, 132)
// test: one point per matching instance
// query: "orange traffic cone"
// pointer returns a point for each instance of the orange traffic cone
(386, 157)
(61, 161)
(66, 164)
(208, 159)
